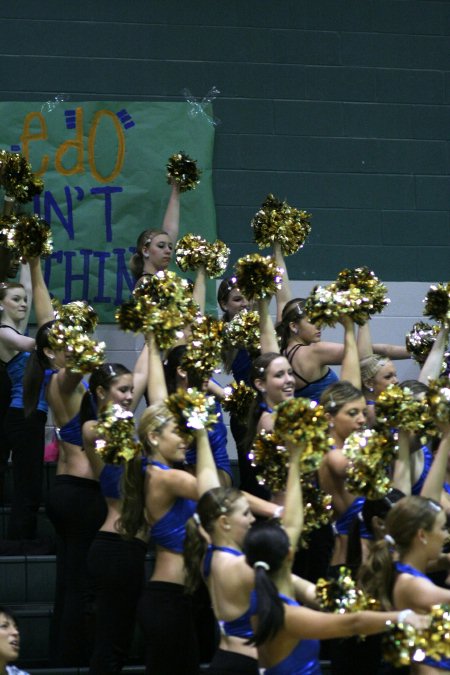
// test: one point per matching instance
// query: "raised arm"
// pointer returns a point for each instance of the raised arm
(25, 280)
(199, 292)
(293, 505)
(350, 369)
(401, 476)
(432, 487)
(284, 294)
(140, 377)
(206, 470)
(156, 382)
(41, 297)
(269, 342)
(366, 348)
(433, 363)
(171, 222)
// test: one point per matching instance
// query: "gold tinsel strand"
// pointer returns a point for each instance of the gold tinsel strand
(258, 276)
(191, 410)
(277, 222)
(117, 444)
(397, 407)
(78, 312)
(238, 399)
(370, 455)
(437, 302)
(183, 170)
(204, 346)
(17, 178)
(243, 332)
(420, 340)
(341, 595)
(8, 224)
(31, 236)
(303, 422)
(438, 398)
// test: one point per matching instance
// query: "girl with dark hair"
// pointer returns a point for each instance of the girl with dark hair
(154, 247)
(24, 436)
(9, 643)
(395, 572)
(115, 565)
(225, 515)
(285, 633)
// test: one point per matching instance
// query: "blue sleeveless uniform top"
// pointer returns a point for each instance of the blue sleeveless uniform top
(427, 462)
(242, 366)
(15, 369)
(109, 480)
(240, 627)
(314, 390)
(218, 441)
(71, 431)
(170, 530)
(443, 664)
(342, 524)
(304, 658)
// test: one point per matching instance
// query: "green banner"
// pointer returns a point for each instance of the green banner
(103, 164)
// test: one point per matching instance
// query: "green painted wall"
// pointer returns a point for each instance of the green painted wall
(339, 106)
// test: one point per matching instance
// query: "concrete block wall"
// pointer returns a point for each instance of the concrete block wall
(339, 106)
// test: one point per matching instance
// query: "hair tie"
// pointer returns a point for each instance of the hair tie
(390, 540)
(112, 372)
(261, 369)
(261, 563)
(196, 518)
(435, 507)
(332, 403)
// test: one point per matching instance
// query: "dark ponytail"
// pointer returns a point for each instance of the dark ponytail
(266, 547)
(35, 368)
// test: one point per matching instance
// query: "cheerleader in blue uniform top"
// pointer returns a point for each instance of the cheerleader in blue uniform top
(395, 572)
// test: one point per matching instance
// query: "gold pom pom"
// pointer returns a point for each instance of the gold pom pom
(317, 507)
(370, 454)
(397, 407)
(117, 445)
(277, 222)
(437, 303)
(438, 398)
(17, 178)
(192, 410)
(238, 400)
(420, 340)
(341, 596)
(357, 293)
(217, 259)
(31, 236)
(258, 277)
(183, 170)
(204, 347)
(78, 312)
(303, 422)
(83, 354)
(270, 458)
(403, 644)
(243, 332)
(191, 252)
(163, 304)
(437, 635)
